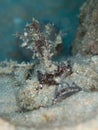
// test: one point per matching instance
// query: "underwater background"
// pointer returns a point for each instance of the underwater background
(15, 14)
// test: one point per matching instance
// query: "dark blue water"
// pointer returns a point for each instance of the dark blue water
(14, 14)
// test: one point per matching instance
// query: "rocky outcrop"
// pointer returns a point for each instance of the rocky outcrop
(86, 41)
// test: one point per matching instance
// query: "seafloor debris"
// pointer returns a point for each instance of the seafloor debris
(45, 84)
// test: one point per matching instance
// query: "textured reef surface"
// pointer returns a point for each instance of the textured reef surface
(49, 94)
(86, 41)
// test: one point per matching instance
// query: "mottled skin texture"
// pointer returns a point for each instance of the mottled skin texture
(47, 78)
